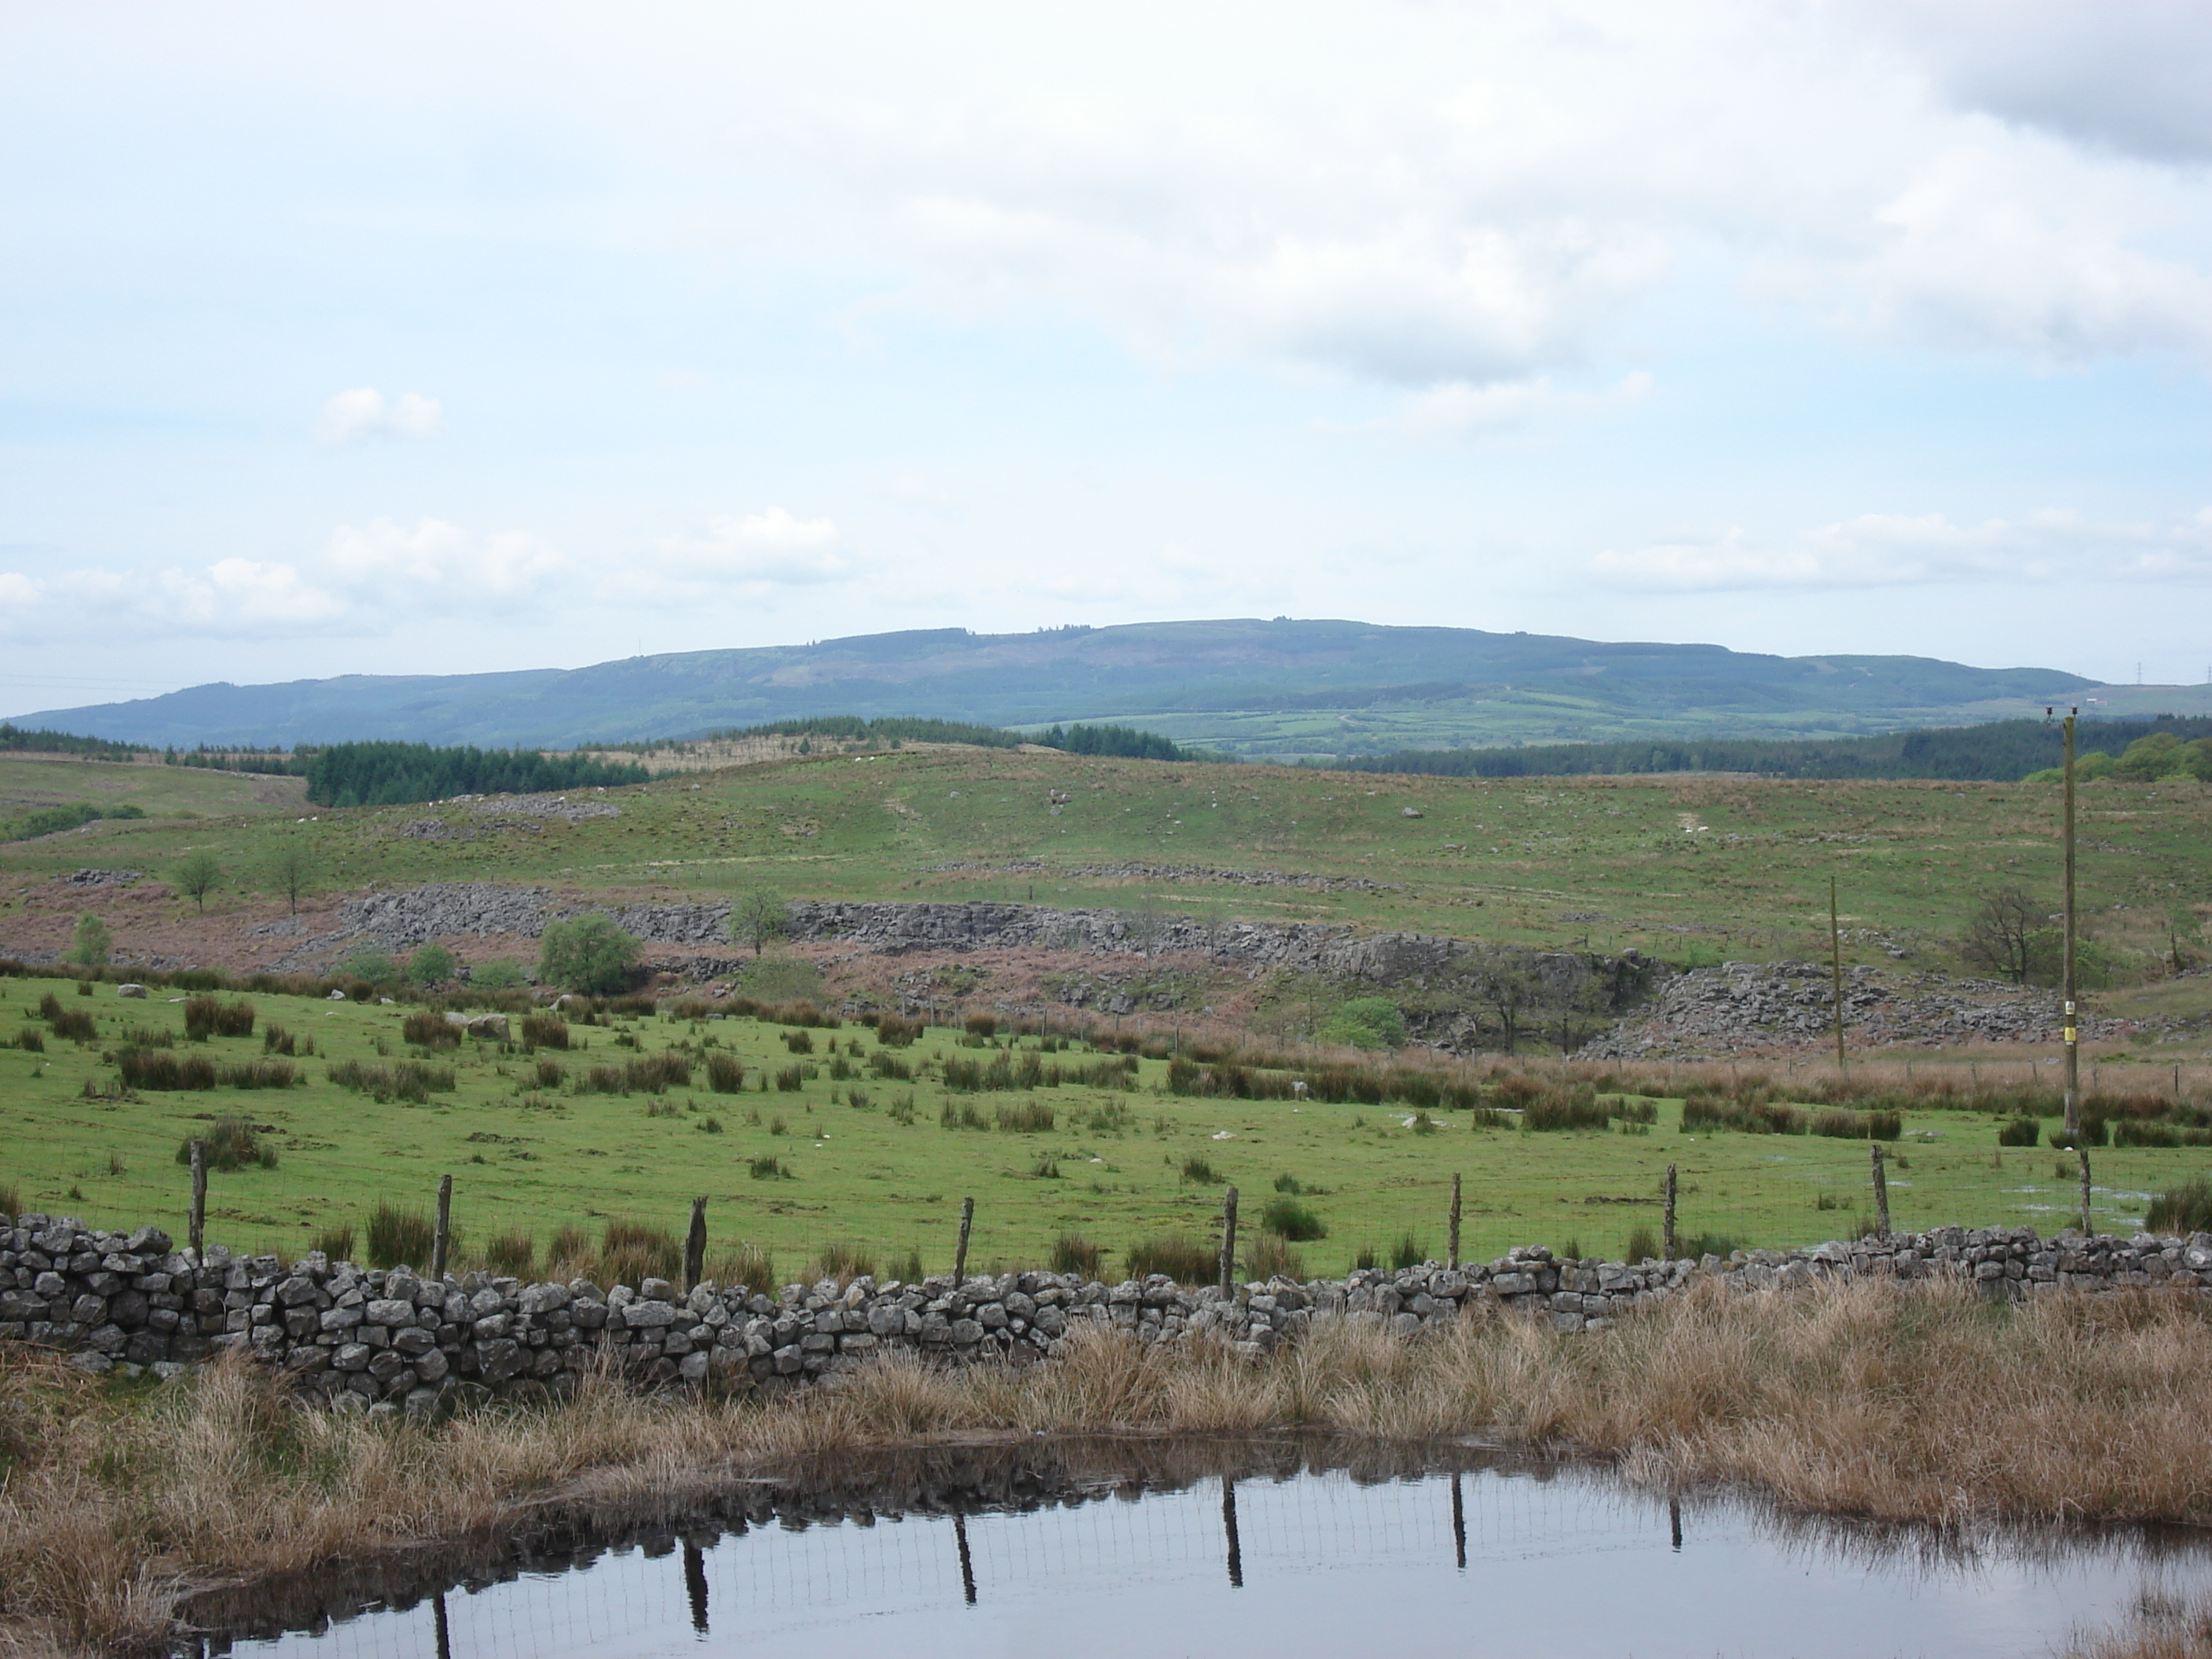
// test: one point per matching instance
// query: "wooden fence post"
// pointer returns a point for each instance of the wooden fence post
(445, 1233)
(198, 1227)
(1451, 1251)
(960, 1255)
(1228, 1236)
(1667, 1243)
(695, 1245)
(1880, 1192)
(2082, 1152)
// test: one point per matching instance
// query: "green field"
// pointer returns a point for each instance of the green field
(1687, 868)
(535, 1157)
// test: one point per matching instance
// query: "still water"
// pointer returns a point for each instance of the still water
(1276, 1557)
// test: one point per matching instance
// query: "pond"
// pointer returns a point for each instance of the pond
(1112, 1550)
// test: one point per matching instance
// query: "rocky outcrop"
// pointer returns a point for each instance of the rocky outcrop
(392, 1341)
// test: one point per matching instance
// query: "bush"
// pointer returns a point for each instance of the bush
(842, 1261)
(256, 1074)
(1072, 1253)
(548, 1074)
(1643, 1245)
(399, 1238)
(1201, 1171)
(2186, 1208)
(1749, 1112)
(31, 1040)
(586, 953)
(430, 1030)
(2021, 1132)
(767, 1168)
(1407, 1253)
(1365, 1023)
(513, 1252)
(335, 1242)
(789, 1079)
(1289, 1219)
(75, 1025)
(545, 1031)
(157, 1068)
(980, 1025)
(433, 965)
(276, 1040)
(1558, 1109)
(656, 1074)
(230, 1146)
(1268, 1257)
(410, 1081)
(206, 1017)
(90, 945)
(799, 1042)
(725, 1073)
(749, 1265)
(895, 1032)
(631, 1252)
(2093, 1133)
(1030, 1118)
(1180, 1257)
(374, 968)
(498, 976)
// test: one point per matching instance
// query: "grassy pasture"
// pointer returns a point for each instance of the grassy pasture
(531, 1157)
(1688, 868)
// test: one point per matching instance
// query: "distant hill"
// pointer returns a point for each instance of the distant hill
(1275, 688)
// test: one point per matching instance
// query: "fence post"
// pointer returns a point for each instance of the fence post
(960, 1256)
(1451, 1251)
(2082, 1152)
(445, 1233)
(1668, 1243)
(695, 1245)
(1228, 1236)
(1880, 1192)
(199, 1198)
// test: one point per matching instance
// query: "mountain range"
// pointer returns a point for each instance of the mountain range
(1278, 689)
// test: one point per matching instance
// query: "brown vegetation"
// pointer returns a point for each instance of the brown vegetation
(1870, 1399)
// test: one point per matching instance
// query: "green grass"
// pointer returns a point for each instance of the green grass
(531, 1159)
(1688, 869)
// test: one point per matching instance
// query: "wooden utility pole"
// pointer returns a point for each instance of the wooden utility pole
(960, 1255)
(1451, 1250)
(199, 1226)
(445, 1233)
(1228, 1236)
(1836, 961)
(695, 1245)
(2073, 1029)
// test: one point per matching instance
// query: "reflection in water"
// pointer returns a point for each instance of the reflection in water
(1487, 1555)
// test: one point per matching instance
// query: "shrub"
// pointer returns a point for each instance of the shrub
(980, 1025)
(230, 1146)
(1700, 1245)
(725, 1073)
(2093, 1133)
(633, 1007)
(433, 965)
(90, 945)
(513, 1252)
(31, 1040)
(410, 1081)
(767, 1168)
(800, 1042)
(1289, 1219)
(601, 1081)
(549, 1073)
(586, 953)
(788, 1079)
(206, 1017)
(1407, 1253)
(335, 1242)
(373, 967)
(1030, 1118)
(1181, 1257)
(157, 1068)
(498, 976)
(399, 1238)
(961, 1117)
(569, 1248)
(1365, 1023)
(1558, 1109)
(256, 1074)
(890, 1067)
(74, 1025)
(1643, 1245)
(1200, 1169)
(859, 1100)
(545, 1031)
(1289, 1183)
(656, 1074)
(276, 1040)
(430, 1030)
(632, 1252)
(2186, 1208)
(842, 1261)
(1750, 1111)
(2021, 1132)
(1072, 1253)
(749, 1266)
(1268, 1257)
(895, 1032)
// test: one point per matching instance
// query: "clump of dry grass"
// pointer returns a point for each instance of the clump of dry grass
(1893, 1403)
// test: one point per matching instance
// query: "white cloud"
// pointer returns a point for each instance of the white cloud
(1460, 408)
(383, 562)
(364, 413)
(1886, 550)
(773, 546)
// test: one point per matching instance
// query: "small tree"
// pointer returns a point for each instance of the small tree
(1505, 986)
(197, 877)
(1366, 1023)
(290, 872)
(2000, 937)
(433, 965)
(90, 947)
(586, 953)
(759, 920)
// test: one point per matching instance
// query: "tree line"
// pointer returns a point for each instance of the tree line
(393, 773)
(1999, 751)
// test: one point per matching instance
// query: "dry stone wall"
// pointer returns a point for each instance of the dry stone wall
(392, 1341)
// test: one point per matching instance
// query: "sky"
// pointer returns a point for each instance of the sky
(438, 338)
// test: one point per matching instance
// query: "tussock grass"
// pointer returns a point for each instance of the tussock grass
(1863, 1400)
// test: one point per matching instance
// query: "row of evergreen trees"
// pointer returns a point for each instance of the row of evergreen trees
(393, 774)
